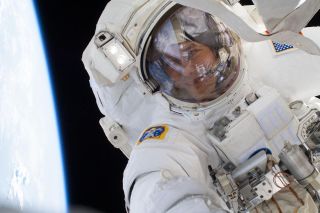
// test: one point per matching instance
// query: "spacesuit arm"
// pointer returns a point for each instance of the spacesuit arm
(161, 192)
(169, 175)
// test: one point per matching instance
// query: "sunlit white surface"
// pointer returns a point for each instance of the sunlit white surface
(31, 172)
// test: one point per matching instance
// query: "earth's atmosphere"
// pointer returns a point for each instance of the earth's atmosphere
(31, 171)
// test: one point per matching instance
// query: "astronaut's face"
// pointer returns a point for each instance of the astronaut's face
(193, 56)
(195, 63)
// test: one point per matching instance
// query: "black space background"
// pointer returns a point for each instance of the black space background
(93, 167)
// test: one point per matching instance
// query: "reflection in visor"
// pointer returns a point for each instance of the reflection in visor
(193, 56)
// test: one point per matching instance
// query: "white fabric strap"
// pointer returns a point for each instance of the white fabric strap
(291, 15)
(283, 30)
(247, 33)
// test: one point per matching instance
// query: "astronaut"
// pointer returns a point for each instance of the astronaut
(212, 102)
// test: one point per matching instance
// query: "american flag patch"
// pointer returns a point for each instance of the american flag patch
(281, 48)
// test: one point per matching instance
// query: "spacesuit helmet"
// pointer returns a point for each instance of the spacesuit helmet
(192, 56)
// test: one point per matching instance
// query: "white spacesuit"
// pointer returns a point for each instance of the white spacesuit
(211, 122)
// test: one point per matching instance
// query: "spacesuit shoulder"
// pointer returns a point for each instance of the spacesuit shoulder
(165, 147)
(293, 72)
(161, 153)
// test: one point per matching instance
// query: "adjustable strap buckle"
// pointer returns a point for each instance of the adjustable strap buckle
(116, 135)
(231, 2)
